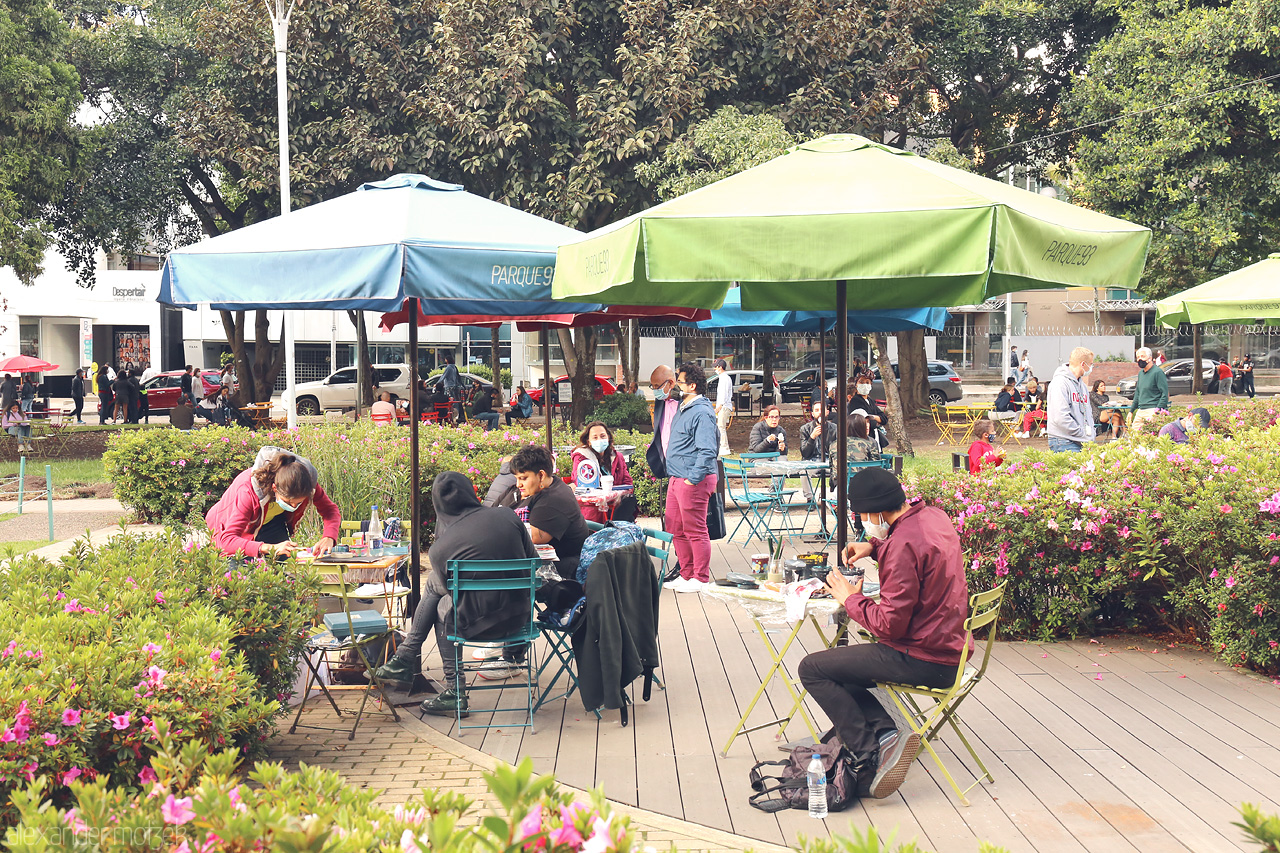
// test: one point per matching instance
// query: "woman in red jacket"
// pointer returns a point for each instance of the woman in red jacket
(259, 512)
(596, 457)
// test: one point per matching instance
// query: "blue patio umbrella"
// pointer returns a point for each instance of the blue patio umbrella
(731, 319)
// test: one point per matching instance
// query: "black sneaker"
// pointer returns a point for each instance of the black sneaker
(897, 752)
(398, 669)
(447, 704)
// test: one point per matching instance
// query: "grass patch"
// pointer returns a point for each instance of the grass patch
(9, 550)
(68, 472)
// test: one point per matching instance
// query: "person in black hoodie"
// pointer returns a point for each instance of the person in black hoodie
(465, 530)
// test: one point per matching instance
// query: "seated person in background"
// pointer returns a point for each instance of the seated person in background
(423, 392)
(16, 424)
(815, 442)
(1110, 422)
(482, 405)
(465, 530)
(1033, 411)
(594, 458)
(858, 445)
(860, 398)
(554, 517)
(521, 404)
(383, 406)
(982, 454)
(182, 416)
(1180, 430)
(1007, 402)
(766, 435)
(918, 620)
(258, 513)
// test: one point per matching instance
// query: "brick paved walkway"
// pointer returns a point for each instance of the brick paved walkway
(402, 759)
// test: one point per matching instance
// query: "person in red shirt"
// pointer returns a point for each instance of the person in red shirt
(918, 620)
(981, 453)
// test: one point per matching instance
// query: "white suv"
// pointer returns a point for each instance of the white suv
(338, 391)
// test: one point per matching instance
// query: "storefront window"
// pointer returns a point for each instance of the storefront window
(29, 338)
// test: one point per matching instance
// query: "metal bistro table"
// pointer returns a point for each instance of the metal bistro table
(809, 469)
(768, 608)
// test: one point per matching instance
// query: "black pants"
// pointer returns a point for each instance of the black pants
(424, 620)
(841, 681)
(449, 650)
(78, 410)
(105, 404)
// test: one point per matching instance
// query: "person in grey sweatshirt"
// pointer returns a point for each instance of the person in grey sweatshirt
(1070, 420)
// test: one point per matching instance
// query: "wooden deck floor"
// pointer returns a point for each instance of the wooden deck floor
(1109, 746)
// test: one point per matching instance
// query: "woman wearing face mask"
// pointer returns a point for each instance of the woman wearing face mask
(982, 453)
(595, 452)
(262, 507)
(860, 398)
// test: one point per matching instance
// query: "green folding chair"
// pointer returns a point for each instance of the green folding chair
(755, 506)
(473, 576)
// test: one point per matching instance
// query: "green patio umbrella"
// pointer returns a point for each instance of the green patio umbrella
(1247, 296)
(844, 216)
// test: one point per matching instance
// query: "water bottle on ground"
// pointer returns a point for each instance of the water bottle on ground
(374, 534)
(817, 776)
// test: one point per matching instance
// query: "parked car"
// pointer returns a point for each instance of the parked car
(802, 382)
(753, 379)
(944, 383)
(604, 385)
(162, 390)
(1178, 372)
(338, 390)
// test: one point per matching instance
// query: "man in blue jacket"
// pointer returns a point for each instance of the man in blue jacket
(690, 455)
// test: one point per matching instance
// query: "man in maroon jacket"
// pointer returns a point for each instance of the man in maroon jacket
(918, 620)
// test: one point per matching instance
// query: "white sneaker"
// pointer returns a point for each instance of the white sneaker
(675, 585)
(692, 585)
(488, 651)
(499, 669)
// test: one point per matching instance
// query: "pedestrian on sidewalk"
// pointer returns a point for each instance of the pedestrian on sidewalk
(724, 403)
(106, 397)
(77, 396)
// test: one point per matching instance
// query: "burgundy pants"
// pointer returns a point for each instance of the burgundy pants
(687, 522)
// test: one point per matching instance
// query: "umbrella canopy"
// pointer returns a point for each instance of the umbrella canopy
(1249, 296)
(904, 231)
(534, 323)
(26, 364)
(731, 319)
(407, 236)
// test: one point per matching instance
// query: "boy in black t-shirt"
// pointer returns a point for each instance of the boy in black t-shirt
(554, 515)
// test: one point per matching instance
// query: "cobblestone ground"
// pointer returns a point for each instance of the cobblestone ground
(401, 759)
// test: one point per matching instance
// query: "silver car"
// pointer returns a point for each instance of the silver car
(944, 383)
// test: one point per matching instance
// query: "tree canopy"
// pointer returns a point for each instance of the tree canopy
(1187, 139)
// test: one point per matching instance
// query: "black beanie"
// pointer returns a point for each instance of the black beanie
(875, 490)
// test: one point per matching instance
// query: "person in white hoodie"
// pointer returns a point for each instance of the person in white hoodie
(1070, 420)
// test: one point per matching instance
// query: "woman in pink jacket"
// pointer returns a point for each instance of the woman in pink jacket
(594, 457)
(259, 512)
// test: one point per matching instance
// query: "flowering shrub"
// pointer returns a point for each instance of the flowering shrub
(166, 474)
(101, 644)
(191, 802)
(1226, 417)
(1131, 535)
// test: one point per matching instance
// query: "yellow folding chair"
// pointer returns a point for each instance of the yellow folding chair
(984, 612)
(947, 428)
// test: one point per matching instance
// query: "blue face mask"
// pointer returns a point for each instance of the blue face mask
(659, 394)
(284, 506)
(600, 445)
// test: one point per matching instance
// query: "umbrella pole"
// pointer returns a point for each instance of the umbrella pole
(546, 380)
(842, 425)
(415, 493)
(822, 419)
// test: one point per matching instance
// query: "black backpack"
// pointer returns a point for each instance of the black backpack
(791, 787)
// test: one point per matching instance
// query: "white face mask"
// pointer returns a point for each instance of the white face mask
(600, 445)
(864, 389)
(876, 531)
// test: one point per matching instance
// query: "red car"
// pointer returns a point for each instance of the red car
(604, 385)
(163, 389)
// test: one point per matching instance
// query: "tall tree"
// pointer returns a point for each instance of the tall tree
(39, 141)
(1186, 136)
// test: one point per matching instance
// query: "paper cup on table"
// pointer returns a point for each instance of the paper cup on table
(606, 482)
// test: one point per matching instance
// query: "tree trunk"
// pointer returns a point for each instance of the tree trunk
(893, 399)
(766, 394)
(629, 351)
(364, 363)
(233, 328)
(495, 342)
(913, 372)
(268, 359)
(579, 348)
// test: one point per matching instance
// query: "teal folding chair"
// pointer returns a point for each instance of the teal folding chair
(755, 506)
(475, 576)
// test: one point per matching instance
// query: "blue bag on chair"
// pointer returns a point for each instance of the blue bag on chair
(617, 534)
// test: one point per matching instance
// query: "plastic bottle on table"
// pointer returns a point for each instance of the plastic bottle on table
(374, 534)
(817, 776)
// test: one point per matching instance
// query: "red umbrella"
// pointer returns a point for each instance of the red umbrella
(26, 364)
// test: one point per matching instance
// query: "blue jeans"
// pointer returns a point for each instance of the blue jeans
(490, 419)
(1064, 445)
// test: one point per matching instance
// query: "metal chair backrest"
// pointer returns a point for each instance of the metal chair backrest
(495, 575)
(773, 454)
(383, 417)
(735, 469)
(984, 612)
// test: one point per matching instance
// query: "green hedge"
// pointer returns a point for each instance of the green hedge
(100, 644)
(1133, 535)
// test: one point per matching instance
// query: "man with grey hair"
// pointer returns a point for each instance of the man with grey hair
(1070, 420)
(1151, 393)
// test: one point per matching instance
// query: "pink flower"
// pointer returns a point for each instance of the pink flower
(8, 736)
(150, 649)
(155, 676)
(1213, 574)
(50, 739)
(184, 847)
(159, 598)
(1231, 581)
(147, 776)
(119, 722)
(215, 655)
(72, 819)
(71, 717)
(531, 825)
(1225, 508)
(177, 811)
(71, 775)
